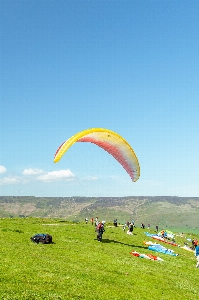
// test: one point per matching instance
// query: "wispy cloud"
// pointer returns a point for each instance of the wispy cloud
(32, 171)
(8, 180)
(2, 169)
(56, 175)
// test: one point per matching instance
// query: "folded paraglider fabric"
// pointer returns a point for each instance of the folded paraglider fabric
(149, 243)
(156, 237)
(187, 248)
(147, 256)
(150, 234)
(161, 239)
(167, 233)
(164, 240)
(161, 249)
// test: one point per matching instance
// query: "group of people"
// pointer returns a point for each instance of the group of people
(130, 226)
(99, 228)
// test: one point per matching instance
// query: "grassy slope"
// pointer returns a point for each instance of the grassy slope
(76, 266)
(163, 211)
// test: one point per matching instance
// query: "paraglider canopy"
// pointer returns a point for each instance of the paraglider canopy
(111, 142)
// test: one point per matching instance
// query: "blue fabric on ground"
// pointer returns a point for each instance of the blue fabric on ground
(161, 249)
(150, 234)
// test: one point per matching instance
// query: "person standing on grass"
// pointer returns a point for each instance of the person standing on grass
(131, 228)
(197, 255)
(115, 222)
(96, 221)
(194, 243)
(100, 230)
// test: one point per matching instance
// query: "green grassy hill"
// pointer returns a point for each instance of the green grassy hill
(76, 266)
(181, 213)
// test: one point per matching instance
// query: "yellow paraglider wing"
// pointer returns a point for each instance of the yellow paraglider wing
(111, 142)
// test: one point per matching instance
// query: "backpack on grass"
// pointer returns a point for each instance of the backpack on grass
(42, 238)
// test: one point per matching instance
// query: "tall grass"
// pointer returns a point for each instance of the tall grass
(76, 266)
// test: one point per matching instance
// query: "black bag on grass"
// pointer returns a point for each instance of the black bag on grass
(42, 238)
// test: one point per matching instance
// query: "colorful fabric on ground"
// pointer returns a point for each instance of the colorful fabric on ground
(150, 234)
(161, 249)
(149, 243)
(169, 234)
(147, 256)
(187, 248)
(161, 239)
(164, 240)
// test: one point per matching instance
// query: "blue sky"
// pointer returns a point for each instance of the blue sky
(129, 66)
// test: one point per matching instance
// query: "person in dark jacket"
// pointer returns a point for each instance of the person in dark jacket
(131, 227)
(100, 230)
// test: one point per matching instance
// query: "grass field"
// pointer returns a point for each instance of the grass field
(76, 266)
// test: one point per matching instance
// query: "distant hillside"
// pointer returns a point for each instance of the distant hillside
(164, 211)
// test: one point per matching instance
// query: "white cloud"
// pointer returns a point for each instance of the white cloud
(57, 175)
(32, 171)
(8, 180)
(2, 169)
